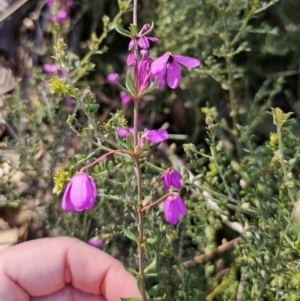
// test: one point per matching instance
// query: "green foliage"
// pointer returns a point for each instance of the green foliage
(240, 239)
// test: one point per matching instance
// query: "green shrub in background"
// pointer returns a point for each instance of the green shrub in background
(240, 239)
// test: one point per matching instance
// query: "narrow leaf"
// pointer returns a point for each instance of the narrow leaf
(129, 83)
(151, 266)
(130, 235)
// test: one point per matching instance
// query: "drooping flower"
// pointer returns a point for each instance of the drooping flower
(153, 136)
(174, 207)
(125, 98)
(123, 132)
(111, 78)
(80, 193)
(131, 60)
(95, 242)
(171, 177)
(143, 41)
(170, 64)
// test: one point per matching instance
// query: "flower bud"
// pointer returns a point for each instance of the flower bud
(80, 193)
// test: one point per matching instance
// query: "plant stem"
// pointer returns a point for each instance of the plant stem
(139, 205)
(138, 170)
(232, 99)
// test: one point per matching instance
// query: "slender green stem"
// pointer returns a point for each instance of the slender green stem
(232, 99)
(284, 169)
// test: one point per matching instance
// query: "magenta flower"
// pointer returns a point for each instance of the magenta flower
(111, 78)
(170, 64)
(143, 41)
(174, 207)
(171, 177)
(53, 69)
(156, 136)
(95, 242)
(131, 60)
(144, 72)
(60, 17)
(123, 132)
(125, 98)
(153, 136)
(80, 193)
(50, 68)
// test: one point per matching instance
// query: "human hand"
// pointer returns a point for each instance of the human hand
(62, 269)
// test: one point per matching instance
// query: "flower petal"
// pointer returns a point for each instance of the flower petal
(186, 61)
(159, 65)
(143, 42)
(173, 75)
(131, 44)
(172, 211)
(153, 39)
(66, 204)
(176, 179)
(167, 180)
(181, 206)
(156, 136)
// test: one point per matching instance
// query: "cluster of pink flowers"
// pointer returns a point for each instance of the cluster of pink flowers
(62, 13)
(81, 191)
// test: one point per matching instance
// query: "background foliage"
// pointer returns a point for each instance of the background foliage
(240, 240)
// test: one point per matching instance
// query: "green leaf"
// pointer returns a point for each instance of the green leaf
(120, 29)
(122, 87)
(151, 87)
(94, 108)
(129, 141)
(133, 30)
(152, 240)
(131, 299)
(131, 270)
(130, 235)
(129, 83)
(151, 266)
(121, 141)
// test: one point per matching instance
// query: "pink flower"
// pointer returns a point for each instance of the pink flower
(170, 64)
(131, 60)
(125, 98)
(53, 69)
(153, 136)
(111, 78)
(143, 41)
(144, 71)
(60, 17)
(50, 68)
(171, 177)
(95, 242)
(174, 207)
(123, 132)
(80, 193)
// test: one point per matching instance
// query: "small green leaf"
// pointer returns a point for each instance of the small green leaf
(129, 83)
(120, 29)
(151, 266)
(121, 141)
(151, 87)
(131, 270)
(152, 240)
(129, 141)
(122, 87)
(130, 235)
(133, 30)
(130, 299)
(94, 108)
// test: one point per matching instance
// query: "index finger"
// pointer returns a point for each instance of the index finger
(44, 266)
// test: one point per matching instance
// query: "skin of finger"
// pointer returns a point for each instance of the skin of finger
(67, 293)
(44, 266)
